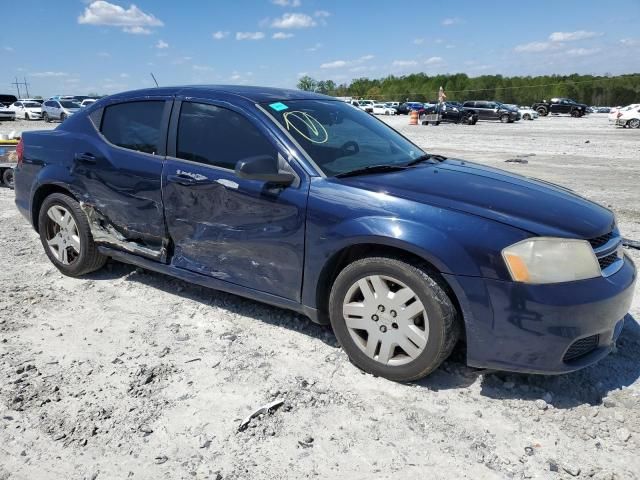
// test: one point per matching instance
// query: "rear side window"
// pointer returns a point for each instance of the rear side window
(134, 125)
(218, 136)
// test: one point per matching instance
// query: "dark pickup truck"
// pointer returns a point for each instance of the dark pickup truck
(302, 201)
(560, 105)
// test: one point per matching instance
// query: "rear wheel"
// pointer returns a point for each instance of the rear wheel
(504, 118)
(392, 318)
(7, 177)
(66, 236)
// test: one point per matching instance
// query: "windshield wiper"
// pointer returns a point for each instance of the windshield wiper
(371, 169)
(426, 157)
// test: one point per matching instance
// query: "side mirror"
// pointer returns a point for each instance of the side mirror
(264, 168)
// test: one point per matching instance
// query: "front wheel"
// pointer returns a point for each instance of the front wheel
(526, 116)
(543, 112)
(26, 116)
(505, 118)
(7, 177)
(392, 318)
(634, 123)
(66, 236)
(63, 117)
(45, 116)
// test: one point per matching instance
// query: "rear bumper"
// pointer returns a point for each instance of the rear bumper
(531, 328)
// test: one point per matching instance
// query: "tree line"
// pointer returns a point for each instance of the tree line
(525, 90)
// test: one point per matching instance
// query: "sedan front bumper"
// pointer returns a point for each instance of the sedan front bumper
(547, 329)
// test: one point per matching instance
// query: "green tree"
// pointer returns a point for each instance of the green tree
(307, 83)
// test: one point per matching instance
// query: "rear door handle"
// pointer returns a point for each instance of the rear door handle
(86, 158)
(187, 181)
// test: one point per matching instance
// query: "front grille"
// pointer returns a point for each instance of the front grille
(608, 260)
(601, 240)
(581, 347)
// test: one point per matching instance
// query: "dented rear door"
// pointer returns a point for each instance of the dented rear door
(120, 170)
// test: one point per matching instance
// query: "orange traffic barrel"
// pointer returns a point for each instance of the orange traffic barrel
(413, 117)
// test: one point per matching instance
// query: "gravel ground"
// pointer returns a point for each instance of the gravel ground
(127, 373)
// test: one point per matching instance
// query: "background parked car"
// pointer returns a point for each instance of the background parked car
(6, 113)
(366, 105)
(406, 107)
(560, 105)
(87, 101)
(629, 117)
(452, 112)
(492, 111)
(27, 110)
(527, 113)
(617, 112)
(382, 109)
(59, 109)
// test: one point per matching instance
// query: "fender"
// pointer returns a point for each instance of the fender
(444, 247)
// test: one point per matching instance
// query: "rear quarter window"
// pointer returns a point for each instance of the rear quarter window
(134, 125)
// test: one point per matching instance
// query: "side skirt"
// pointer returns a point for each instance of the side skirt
(209, 282)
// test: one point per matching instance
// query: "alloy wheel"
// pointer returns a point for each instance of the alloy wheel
(386, 320)
(62, 235)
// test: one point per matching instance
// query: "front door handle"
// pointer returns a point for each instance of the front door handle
(86, 158)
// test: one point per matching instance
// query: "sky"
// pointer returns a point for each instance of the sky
(82, 46)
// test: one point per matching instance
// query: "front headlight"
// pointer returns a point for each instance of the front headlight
(551, 260)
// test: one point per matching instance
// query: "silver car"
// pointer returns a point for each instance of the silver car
(59, 109)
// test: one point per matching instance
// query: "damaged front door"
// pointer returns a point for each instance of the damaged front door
(121, 167)
(237, 230)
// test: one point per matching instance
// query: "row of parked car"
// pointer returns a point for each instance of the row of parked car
(468, 112)
(57, 107)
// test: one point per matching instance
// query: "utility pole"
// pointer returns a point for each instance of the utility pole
(26, 86)
(17, 84)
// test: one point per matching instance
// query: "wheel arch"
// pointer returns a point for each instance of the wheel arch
(42, 192)
(348, 254)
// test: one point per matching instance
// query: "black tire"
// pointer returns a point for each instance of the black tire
(526, 116)
(634, 123)
(45, 117)
(542, 111)
(575, 113)
(7, 177)
(63, 117)
(505, 118)
(89, 259)
(26, 116)
(444, 328)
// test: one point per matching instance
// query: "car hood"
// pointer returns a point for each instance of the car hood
(533, 205)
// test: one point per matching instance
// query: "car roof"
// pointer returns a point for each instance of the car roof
(252, 93)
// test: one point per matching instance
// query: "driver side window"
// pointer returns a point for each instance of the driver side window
(217, 136)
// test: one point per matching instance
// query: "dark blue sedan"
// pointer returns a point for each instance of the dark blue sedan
(310, 204)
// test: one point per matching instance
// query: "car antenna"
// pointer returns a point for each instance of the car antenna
(154, 79)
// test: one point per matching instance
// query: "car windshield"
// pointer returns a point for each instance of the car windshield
(67, 104)
(340, 138)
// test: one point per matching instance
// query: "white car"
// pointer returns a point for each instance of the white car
(6, 113)
(87, 101)
(28, 110)
(527, 113)
(382, 109)
(617, 112)
(366, 105)
(629, 116)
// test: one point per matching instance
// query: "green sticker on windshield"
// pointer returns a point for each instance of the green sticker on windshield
(278, 106)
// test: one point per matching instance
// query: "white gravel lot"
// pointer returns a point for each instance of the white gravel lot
(132, 374)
